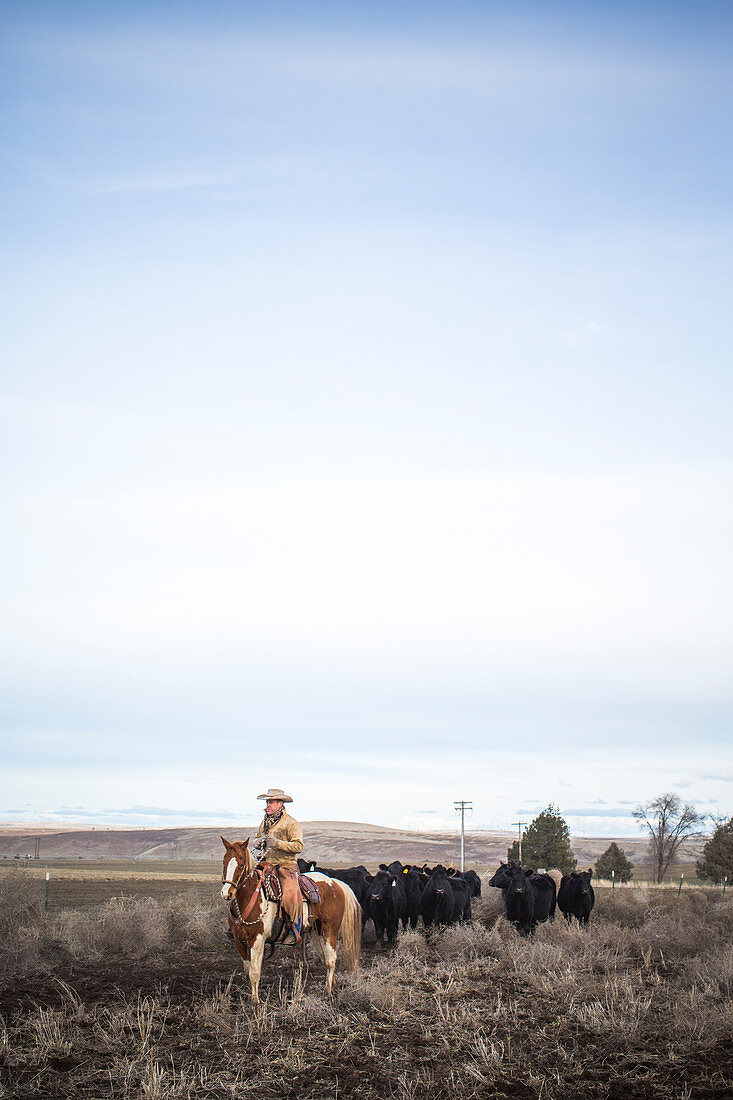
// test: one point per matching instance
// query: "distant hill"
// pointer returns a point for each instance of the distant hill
(330, 843)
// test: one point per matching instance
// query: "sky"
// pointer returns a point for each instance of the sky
(365, 407)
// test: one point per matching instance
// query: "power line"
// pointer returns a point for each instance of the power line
(461, 808)
(519, 825)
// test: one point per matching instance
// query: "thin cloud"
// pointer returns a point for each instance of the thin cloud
(595, 812)
(173, 181)
(162, 811)
(136, 814)
(229, 64)
(183, 179)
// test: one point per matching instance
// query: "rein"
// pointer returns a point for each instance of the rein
(237, 915)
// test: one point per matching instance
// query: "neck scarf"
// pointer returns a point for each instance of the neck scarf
(272, 819)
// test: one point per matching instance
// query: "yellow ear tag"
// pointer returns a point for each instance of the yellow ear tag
(405, 871)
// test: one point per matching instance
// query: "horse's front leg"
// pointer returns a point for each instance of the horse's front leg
(257, 952)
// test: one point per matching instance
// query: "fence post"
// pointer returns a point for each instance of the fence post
(679, 889)
(45, 900)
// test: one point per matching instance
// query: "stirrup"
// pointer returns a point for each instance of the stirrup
(296, 931)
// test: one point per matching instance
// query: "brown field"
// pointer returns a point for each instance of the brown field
(81, 885)
(330, 843)
(145, 997)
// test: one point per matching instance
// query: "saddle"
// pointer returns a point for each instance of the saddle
(273, 889)
(286, 923)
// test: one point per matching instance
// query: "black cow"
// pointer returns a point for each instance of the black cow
(304, 866)
(386, 895)
(358, 878)
(355, 877)
(473, 881)
(413, 882)
(545, 891)
(394, 868)
(545, 895)
(576, 897)
(436, 904)
(519, 899)
(502, 875)
(461, 898)
(470, 877)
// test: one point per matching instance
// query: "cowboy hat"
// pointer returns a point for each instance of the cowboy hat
(275, 792)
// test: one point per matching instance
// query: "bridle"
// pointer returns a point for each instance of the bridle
(237, 915)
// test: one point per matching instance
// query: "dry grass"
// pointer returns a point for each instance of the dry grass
(147, 1000)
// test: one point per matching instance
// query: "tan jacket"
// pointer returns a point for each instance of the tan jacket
(286, 841)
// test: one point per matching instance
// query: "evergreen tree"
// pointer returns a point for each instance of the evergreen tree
(546, 843)
(717, 855)
(512, 852)
(614, 859)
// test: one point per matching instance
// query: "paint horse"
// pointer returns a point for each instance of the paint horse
(254, 918)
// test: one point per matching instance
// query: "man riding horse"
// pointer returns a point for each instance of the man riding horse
(264, 898)
(279, 841)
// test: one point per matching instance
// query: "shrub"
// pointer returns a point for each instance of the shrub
(625, 908)
(24, 942)
(140, 927)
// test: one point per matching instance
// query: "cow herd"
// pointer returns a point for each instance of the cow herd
(403, 894)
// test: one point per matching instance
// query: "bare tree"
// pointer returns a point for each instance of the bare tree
(669, 822)
(716, 818)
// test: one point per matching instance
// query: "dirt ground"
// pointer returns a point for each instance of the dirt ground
(147, 998)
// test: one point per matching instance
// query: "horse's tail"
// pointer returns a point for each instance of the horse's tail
(350, 931)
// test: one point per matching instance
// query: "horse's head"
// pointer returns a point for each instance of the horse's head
(238, 862)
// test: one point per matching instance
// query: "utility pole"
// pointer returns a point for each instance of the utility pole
(519, 825)
(461, 807)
